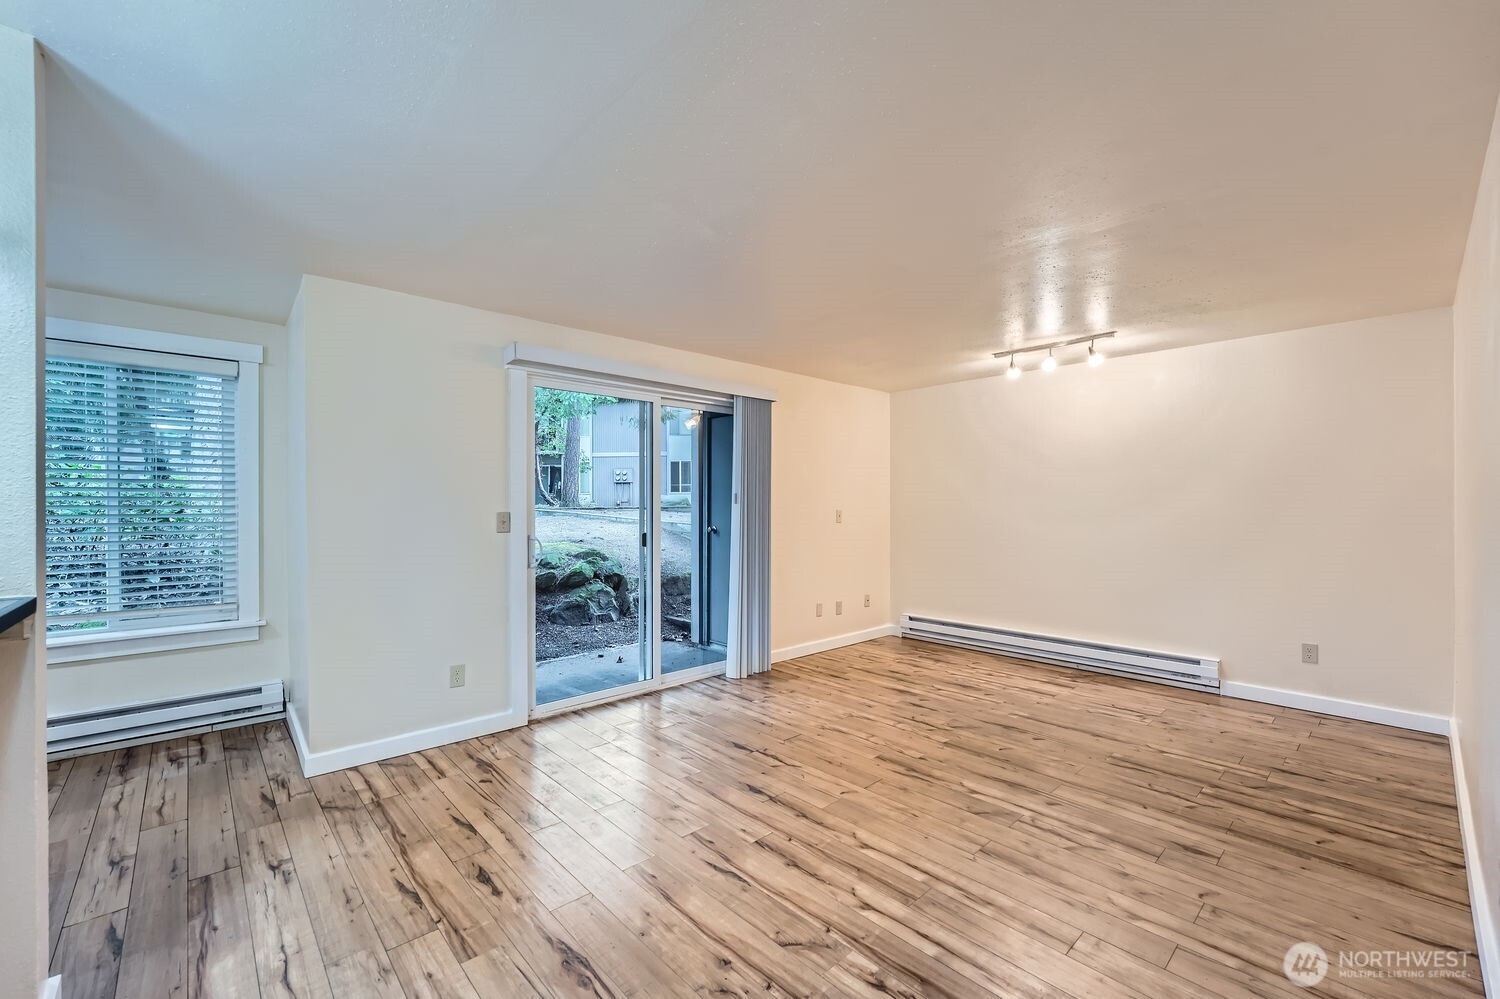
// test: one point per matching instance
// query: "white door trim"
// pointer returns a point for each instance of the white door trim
(521, 385)
(625, 373)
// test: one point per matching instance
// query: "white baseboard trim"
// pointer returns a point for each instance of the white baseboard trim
(1435, 724)
(1486, 934)
(836, 642)
(361, 753)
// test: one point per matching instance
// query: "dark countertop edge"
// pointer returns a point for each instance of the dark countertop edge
(14, 610)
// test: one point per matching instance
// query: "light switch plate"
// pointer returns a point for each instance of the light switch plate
(502, 522)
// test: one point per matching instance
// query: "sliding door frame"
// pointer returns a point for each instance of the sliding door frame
(523, 488)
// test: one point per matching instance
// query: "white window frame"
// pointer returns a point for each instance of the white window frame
(70, 648)
(685, 482)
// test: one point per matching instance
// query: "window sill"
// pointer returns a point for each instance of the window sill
(80, 648)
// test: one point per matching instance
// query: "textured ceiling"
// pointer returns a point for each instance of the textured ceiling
(879, 193)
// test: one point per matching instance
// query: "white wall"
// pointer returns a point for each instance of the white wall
(405, 467)
(1234, 499)
(1476, 695)
(106, 682)
(23, 789)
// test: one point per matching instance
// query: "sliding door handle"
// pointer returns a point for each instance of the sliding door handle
(534, 549)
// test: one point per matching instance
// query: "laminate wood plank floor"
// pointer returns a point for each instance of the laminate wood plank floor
(888, 819)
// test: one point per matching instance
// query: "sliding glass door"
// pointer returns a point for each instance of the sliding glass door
(591, 543)
(629, 535)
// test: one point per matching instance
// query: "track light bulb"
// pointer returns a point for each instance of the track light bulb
(1049, 362)
(1095, 358)
(1012, 372)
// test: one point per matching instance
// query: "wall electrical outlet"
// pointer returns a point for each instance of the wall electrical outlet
(838, 607)
(1309, 653)
(457, 675)
(818, 611)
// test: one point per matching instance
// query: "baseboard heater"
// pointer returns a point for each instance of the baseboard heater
(1159, 667)
(148, 720)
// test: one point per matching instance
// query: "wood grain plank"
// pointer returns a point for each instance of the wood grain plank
(340, 918)
(365, 973)
(283, 771)
(57, 776)
(288, 961)
(221, 946)
(69, 827)
(214, 844)
(459, 915)
(249, 787)
(427, 969)
(155, 959)
(166, 784)
(391, 894)
(87, 956)
(105, 875)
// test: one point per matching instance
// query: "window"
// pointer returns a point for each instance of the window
(680, 477)
(152, 491)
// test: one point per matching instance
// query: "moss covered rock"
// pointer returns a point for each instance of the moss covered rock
(566, 565)
(592, 603)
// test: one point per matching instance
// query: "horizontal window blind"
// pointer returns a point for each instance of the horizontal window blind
(142, 514)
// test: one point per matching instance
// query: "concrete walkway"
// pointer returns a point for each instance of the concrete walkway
(592, 672)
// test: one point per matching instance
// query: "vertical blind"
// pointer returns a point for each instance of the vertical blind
(142, 517)
(750, 541)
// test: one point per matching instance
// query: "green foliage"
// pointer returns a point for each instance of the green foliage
(151, 522)
(553, 408)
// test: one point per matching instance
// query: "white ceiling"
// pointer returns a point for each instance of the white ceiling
(881, 193)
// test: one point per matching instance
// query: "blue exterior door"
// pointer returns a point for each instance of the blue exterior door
(718, 492)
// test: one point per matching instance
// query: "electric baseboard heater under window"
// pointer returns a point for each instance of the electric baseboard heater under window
(1193, 672)
(143, 721)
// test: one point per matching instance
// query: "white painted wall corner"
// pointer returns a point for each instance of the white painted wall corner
(1486, 933)
(361, 753)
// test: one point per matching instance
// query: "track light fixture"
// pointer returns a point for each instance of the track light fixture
(1049, 363)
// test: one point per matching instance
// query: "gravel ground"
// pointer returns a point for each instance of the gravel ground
(620, 538)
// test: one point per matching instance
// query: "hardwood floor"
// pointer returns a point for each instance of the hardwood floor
(887, 819)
